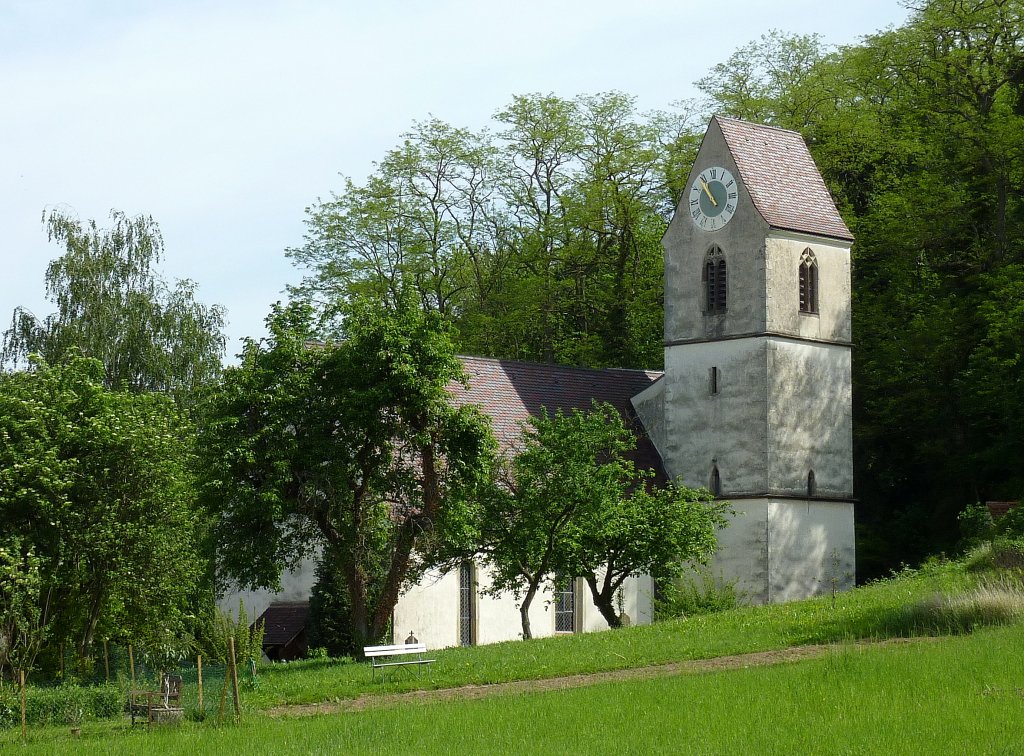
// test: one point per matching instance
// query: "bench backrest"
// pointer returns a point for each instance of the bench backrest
(395, 650)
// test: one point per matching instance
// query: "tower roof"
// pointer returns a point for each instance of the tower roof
(780, 175)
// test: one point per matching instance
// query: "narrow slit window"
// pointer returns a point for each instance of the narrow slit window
(808, 282)
(812, 486)
(716, 481)
(714, 380)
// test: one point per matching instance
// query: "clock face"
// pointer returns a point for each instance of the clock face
(713, 198)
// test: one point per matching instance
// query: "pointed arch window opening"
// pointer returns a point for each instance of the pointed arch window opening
(808, 282)
(812, 486)
(715, 282)
(716, 481)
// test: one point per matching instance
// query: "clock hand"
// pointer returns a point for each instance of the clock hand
(707, 191)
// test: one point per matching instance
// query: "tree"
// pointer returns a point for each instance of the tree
(575, 505)
(22, 624)
(350, 447)
(540, 241)
(771, 80)
(112, 305)
(661, 532)
(97, 484)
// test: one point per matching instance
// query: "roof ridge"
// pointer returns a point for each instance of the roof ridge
(755, 124)
(558, 365)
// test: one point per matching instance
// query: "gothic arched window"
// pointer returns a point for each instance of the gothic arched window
(812, 486)
(716, 481)
(714, 282)
(808, 282)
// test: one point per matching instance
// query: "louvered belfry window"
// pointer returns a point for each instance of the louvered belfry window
(808, 282)
(714, 282)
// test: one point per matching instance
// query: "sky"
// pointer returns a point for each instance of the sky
(225, 120)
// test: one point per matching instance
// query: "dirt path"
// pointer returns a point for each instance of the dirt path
(739, 661)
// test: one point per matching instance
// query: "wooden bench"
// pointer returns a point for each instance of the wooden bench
(162, 705)
(381, 656)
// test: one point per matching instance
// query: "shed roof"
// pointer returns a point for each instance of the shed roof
(282, 622)
(782, 179)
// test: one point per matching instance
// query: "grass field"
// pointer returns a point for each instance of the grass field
(960, 694)
(871, 612)
(954, 695)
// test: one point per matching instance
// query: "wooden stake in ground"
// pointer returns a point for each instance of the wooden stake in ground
(21, 683)
(233, 669)
(131, 664)
(223, 696)
(106, 659)
(199, 680)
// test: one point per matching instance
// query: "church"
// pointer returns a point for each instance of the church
(754, 402)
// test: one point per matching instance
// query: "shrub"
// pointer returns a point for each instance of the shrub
(1001, 553)
(107, 701)
(701, 594)
(1008, 553)
(1011, 524)
(62, 705)
(976, 525)
(219, 626)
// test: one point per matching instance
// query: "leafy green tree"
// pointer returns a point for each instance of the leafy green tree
(112, 305)
(774, 79)
(97, 483)
(575, 505)
(660, 532)
(22, 624)
(329, 614)
(540, 241)
(350, 446)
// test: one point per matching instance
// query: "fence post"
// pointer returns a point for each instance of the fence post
(21, 682)
(131, 664)
(199, 680)
(233, 670)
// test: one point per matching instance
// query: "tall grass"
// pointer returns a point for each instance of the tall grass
(997, 601)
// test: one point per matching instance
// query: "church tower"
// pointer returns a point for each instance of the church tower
(755, 403)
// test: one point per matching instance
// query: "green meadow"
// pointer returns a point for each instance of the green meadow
(937, 693)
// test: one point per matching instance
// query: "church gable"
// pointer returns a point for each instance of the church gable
(781, 178)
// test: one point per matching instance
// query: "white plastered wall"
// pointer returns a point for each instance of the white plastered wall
(778, 550)
(430, 610)
(296, 586)
(727, 429)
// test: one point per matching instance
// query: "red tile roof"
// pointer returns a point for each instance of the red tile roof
(511, 392)
(780, 175)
